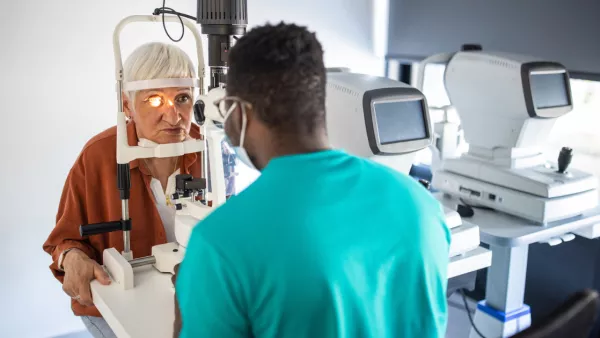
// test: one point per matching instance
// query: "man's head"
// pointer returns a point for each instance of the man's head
(276, 73)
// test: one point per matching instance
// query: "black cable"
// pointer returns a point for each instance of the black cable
(462, 293)
(458, 306)
(168, 10)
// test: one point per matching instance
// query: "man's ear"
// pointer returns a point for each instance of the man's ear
(127, 106)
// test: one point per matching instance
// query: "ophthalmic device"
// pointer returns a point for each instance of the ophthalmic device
(508, 105)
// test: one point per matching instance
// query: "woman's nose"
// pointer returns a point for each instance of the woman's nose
(171, 115)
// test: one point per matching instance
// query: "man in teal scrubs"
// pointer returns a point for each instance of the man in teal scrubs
(322, 244)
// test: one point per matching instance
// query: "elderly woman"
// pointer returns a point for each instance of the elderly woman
(90, 195)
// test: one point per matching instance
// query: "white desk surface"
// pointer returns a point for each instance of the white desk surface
(473, 260)
(146, 311)
(501, 229)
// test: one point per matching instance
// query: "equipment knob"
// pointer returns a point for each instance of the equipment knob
(470, 47)
(425, 183)
(199, 112)
(564, 159)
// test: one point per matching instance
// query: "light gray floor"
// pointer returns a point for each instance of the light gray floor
(459, 325)
(458, 322)
(83, 334)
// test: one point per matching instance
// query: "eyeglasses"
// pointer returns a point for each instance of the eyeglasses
(227, 105)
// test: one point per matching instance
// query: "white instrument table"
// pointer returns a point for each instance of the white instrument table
(508, 238)
(145, 311)
(501, 229)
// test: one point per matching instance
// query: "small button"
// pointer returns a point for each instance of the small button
(553, 241)
(567, 237)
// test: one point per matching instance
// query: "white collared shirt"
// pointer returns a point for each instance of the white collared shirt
(162, 201)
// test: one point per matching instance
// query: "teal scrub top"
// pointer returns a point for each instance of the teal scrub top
(321, 245)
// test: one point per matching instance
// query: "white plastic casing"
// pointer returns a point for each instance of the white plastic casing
(351, 119)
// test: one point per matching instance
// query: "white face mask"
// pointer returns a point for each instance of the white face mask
(239, 150)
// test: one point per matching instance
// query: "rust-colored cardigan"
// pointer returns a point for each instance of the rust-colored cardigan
(90, 195)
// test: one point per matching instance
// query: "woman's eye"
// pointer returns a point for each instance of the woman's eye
(183, 99)
(154, 101)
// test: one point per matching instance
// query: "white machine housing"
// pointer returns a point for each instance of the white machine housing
(388, 122)
(360, 113)
(507, 101)
(448, 133)
(508, 105)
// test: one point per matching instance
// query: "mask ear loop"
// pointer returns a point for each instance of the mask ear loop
(230, 111)
(244, 123)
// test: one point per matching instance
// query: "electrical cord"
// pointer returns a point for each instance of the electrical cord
(464, 298)
(458, 306)
(167, 10)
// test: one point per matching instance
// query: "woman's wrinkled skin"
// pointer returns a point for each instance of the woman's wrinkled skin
(161, 115)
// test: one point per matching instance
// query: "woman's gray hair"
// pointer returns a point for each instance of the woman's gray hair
(157, 60)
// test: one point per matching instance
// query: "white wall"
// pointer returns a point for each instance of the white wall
(57, 91)
(344, 27)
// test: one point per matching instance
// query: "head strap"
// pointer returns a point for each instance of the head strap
(160, 83)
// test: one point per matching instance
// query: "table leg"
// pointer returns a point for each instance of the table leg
(503, 313)
(505, 288)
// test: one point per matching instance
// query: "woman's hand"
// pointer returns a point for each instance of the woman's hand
(80, 270)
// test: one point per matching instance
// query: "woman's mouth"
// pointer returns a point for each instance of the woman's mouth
(173, 131)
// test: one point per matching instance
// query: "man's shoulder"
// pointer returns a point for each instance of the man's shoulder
(391, 176)
(241, 206)
(396, 186)
(233, 218)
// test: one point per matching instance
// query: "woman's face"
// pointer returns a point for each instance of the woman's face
(162, 115)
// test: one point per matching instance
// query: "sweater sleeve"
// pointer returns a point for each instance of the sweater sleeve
(71, 214)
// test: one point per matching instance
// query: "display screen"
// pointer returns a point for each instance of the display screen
(549, 90)
(400, 121)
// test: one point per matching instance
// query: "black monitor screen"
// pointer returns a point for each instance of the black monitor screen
(400, 121)
(549, 90)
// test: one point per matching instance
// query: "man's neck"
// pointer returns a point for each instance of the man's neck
(284, 146)
(298, 148)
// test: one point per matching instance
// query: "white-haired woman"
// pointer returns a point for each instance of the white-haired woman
(89, 196)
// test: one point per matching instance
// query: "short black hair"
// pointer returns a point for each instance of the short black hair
(279, 69)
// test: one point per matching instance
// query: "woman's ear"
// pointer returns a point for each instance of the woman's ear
(127, 106)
